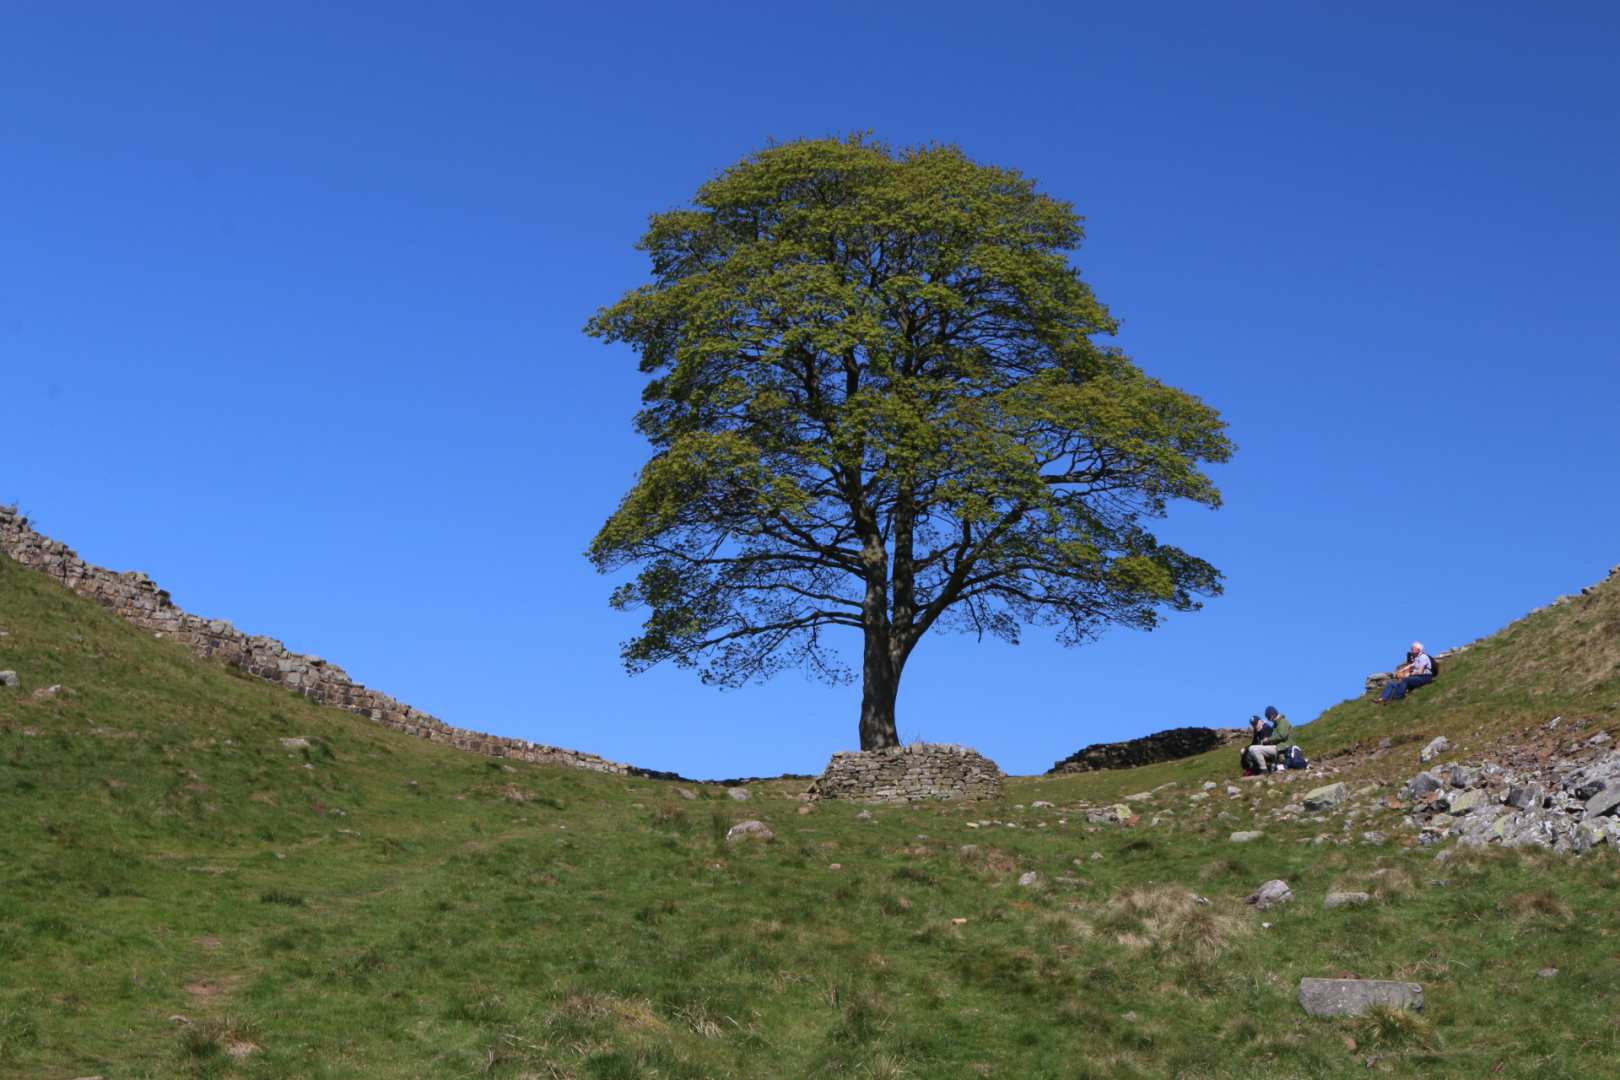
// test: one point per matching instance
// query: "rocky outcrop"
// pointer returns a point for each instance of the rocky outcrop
(915, 773)
(1568, 804)
(135, 598)
(1149, 749)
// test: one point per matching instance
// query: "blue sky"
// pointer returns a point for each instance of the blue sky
(291, 298)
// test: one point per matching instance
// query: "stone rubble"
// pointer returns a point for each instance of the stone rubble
(1568, 804)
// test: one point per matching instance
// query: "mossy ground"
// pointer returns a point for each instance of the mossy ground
(185, 896)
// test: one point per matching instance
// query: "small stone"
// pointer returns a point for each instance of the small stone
(1437, 746)
(1345, 899)
(958, 922)
(835, 866)
(8, 678)
(295, 743)
(1546, 973)
(1029, 879)
(1270, 894)
(738, 793)
(1247, 836)
(805, 808)
(744, 830)
(1523, 797)
(1353, 997)
(1040, 804)
(1233, 790)
(1210, 785)
(686, 793)
(864, 815)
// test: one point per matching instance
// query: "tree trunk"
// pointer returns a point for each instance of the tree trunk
(880, 683)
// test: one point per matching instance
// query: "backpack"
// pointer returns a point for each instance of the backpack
(1434, 667)
(1294, 758)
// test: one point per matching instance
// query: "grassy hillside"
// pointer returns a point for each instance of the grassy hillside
(186, 895)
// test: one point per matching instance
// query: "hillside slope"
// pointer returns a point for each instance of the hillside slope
(207, 875)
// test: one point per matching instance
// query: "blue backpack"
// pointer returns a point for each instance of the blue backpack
(1294, 758)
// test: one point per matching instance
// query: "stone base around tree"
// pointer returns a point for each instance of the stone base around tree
(916, 773)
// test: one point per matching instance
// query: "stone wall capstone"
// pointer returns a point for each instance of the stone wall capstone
(135, 598)
(915, 773)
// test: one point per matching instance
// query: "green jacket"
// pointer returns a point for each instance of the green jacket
(1280, 735)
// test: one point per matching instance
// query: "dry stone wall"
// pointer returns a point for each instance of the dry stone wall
(915, 773)
(135, 598)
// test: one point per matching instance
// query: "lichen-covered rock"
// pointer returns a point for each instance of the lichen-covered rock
(1337, 899)
(1326, 797)
(1352, 997)
(1271, 894)
(1437, 746)
(8, 678)
(917, 773)
(749, 830)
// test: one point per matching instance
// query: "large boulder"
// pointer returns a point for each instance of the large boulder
(1326, 797)
(1352, 997)
(749, 830)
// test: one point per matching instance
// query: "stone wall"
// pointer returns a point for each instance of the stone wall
(135, 598)
(914, 773)
(1160, 746)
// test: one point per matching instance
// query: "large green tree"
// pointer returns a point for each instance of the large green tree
(877, 401)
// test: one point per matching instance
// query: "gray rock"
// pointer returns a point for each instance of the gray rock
(1587, 835)
(1525, 796)
(1245, 837)
(297, 742)
(1029, 879)
(1345, 899)
(1466, 801)
(1270, 894)
(1420, 785)
(1325, 797)
(1437, 746)
(864, 815)
(1604, 802)
(8, 678)
(1464, 776)
(738, 793)
(686, 793)
(745, 830)
(1352, 997)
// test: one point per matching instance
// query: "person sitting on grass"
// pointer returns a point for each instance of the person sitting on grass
(1417, 671)
(1270, 736)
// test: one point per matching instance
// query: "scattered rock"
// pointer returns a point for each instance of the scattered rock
(1466, 802)
(1437, 746)
(744, 830)
(1547, 973)
(1029, 879)
(1246, 837)
(686, 793)
(1420, 785)
(1324, 798)
(1271, 894)
(864, 815)
(1345, 899)
(8, 678)
(1210, 785)
(738, 793)
(1040, 804)
(1352, 997)
(297, 742)
(1525, 796)
(1604, 801)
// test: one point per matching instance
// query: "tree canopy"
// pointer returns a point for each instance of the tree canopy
(877, 400)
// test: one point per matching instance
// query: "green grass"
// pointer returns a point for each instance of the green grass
(182, 896)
